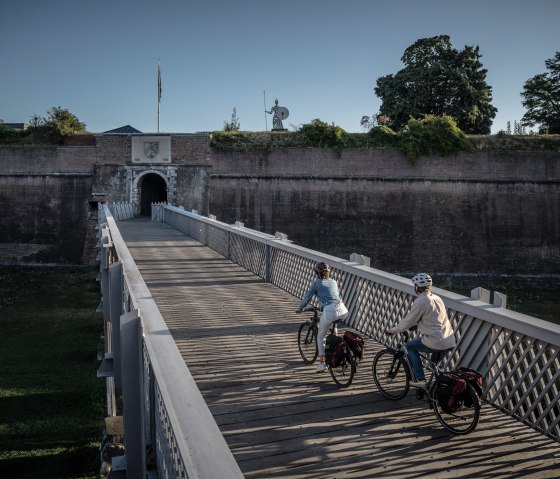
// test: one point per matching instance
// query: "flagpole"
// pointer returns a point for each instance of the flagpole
(159, 93)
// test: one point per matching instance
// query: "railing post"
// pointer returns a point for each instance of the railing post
(268, 263)
(133, 394)
(500, 299)
(360, 259)
(481, 294)
(115, 311)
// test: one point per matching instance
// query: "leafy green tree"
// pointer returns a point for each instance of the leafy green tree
(367, 122)
(52, 128)
(438, 80)
(541, 95)
(233, 124)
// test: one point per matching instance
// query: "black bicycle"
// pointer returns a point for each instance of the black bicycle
(343, 373)
(392, 374)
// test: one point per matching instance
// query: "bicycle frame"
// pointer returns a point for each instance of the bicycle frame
(342, 374)
(433, 367)
(392, 372)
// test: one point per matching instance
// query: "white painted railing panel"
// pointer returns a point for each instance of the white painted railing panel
(122, 211)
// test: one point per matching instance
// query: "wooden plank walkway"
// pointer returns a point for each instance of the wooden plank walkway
(238, 336)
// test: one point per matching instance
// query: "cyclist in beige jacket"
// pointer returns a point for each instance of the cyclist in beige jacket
(429, 314)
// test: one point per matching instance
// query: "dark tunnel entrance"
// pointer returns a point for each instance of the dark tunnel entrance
(153, 190)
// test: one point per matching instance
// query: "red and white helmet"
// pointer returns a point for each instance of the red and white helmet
(422, 280)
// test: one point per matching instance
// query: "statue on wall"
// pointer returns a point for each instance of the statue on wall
(280, 113)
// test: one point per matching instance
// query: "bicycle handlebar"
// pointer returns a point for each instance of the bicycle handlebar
(405, 333)
(311, 309)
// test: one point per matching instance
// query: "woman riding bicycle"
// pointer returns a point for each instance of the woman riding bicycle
(328, 296)
(429, 314)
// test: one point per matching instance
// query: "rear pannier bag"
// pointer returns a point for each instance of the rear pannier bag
(451, 388)
(472, 377)
(356, 344)
(334, 350)
(450, 392)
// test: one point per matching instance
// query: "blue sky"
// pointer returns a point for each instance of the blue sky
(320, 58)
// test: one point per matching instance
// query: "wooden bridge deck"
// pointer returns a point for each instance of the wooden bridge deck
(238, 336)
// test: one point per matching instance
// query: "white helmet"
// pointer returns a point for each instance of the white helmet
(422, 280)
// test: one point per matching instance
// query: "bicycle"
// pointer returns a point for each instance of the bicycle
(392, 374)
(343, 374)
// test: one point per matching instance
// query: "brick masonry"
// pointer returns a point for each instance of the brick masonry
(473, 213)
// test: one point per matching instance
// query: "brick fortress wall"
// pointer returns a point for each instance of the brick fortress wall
(48, 195)
(485, 213)
(496, 212)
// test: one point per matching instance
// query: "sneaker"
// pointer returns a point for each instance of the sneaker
(320, 367)
(418, 384)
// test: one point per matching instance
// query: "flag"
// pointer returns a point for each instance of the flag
(158, 82)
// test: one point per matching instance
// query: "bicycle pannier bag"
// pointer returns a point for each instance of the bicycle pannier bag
(472, 377)
(450, 390)
(334, 350)
(356, 344)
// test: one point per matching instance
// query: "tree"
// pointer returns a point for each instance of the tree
(233, 124)
(52, 128)
(367, 122)
(438, 80)
(541, 95)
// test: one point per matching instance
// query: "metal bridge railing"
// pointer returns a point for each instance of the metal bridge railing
(518, 355)
(169, 431)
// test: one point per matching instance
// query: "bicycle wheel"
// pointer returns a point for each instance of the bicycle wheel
(391, 374)
(343, 374)
(460, 422)
(307, 343)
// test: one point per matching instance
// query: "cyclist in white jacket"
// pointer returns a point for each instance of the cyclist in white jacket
(429, 314)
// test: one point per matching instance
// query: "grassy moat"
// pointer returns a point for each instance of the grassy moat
(51, 402)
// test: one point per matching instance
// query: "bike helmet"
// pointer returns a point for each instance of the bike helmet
(320, 268)
(422, 280)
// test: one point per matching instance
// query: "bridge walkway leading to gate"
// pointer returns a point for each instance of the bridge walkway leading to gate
(238, 337)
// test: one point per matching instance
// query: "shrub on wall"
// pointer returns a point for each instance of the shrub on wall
(321, 134)
(231, 140)
(382, 136)
(9, 136)
(432, 135)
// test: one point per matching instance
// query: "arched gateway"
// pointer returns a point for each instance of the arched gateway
(153, 189)
(150, 185)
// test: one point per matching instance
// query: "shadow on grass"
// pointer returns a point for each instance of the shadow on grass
(40, 406)
(82, 462)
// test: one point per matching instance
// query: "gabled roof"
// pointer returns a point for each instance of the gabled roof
(124, 129)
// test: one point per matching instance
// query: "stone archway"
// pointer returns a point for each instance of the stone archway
(143, 186)
(153, 189)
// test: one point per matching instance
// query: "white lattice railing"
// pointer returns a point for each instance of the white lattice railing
(168, 428)
(122, 211)
(518, 355)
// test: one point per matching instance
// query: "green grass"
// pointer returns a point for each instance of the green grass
(51, 403)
